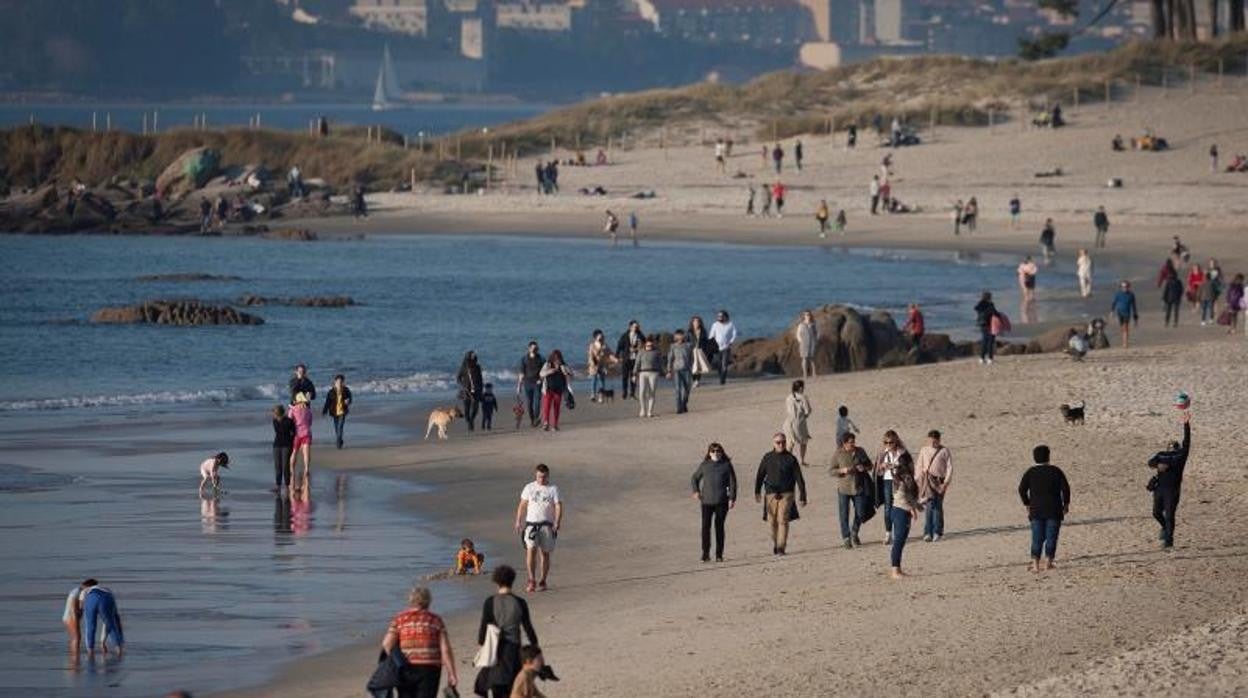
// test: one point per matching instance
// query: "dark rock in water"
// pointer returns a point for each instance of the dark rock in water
(184, 313)
(305, 302)
(188, 276)
(296, 234)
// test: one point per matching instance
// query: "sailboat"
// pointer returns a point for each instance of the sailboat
(386, 94)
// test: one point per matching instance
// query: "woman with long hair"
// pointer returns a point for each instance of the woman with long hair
(796, 410)
(886, 462)
(905, 509)
(703, 348)
(807, 336)
(556, 380)
(301, 414)
(597, 358)
(470, 387)
(715, 487)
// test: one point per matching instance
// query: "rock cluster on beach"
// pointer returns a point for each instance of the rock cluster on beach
(303, 302)
(182, 313)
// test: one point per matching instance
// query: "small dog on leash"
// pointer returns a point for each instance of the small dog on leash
(441, 418)
(1073, 414)
(605, 395)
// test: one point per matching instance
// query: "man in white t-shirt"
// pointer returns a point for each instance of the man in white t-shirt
(538, 518)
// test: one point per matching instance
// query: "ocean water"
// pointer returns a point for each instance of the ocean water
(423, 302)
(432, 119)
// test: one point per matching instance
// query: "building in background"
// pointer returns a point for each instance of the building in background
(755, 22)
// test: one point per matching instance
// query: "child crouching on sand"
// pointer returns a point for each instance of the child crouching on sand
(468, 558)
(210, 472)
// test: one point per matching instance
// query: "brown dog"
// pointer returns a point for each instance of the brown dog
(441, 418)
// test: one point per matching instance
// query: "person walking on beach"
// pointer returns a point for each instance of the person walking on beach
(1207, 295)
(646, 371)
(935, 472)
(556, 380)
(1195, 279)
(1046, 496)
(902, 508)
(797, 154)
(1172, 297)
(538, 519)
(844, 425)
(777, 157)
(1083, 271)
(539, 174)
(338, 404)
(779, 474)
(283, 446)
(1235, 302)
(851, 467)
(1016, 211)
(720, 163)
(1048, 237)
(510, 614)
(1167, 484)
(1213, 158)
(1100, 221)
(796, 411)
(679, 369)
(970, 215)
(886, 462)
(714, 486)
(626, 349)
(766, 212)
(822, 215)
(301, 414)
(633, 224)
(851, 137)
(99, 606)
(300, 383)
(205, 215)
(1124, 308)
(597, 357)
(875, 194)
(529, 380)
(807, 335)
(749, 204)
(489, 405)
(702, 346)
(985, 312)
(777, 194)
(724, 333)
(470, 383)
(421, 636)
(914, 326)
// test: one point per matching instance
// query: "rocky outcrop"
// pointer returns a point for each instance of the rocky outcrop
(305, 302)
(189, 172)
(188, 276)
(183, 313)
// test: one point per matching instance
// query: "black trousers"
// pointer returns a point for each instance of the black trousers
(471, 405)
(1172, 311)
(281, 466)
(420, 681)
(1165, 506)
(716, 512)
(627, 386)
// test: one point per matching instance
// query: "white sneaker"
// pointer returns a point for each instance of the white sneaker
(989, 361)
(888, 539)
(982, 361)
(936, 538)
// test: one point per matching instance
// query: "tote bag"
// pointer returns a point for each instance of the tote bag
(700, 362)
(487, 654)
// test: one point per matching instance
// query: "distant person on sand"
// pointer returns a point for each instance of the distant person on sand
(766, 212)
(915, 325)
(1083, 271)
(283, 445)
(1235, 303)
(529, 380)
(749, 204)
(679, 369)
(294, 182)
(338, 405)
(359, 206)
(875, 194)
(841, 222)
(985, 311)
(421, 636)
(626, 350)
(935, 472)
(633, 224)
(714, 486)
(1213, 158)
(300, 383)
(1172, 297)
(470, 383)
(777, 193)
(970, 215)
(1195, 279)
(777, 157)
(851, 137)
(852, 468)
(720, 163)
(1125, 309)
(646, 371)
(844, 425)
(1027, 271)
(301, 414)
(1048, 237)
(724, 333)
(796, 411)
(807, 336)
(611, 227)
(538, 519)
(467, 559)
(1046, 496)
(797, 154)
(958, 207)
(1016, 211)
(597, 358)
(510, 614)
(205, 215)
(100, 606)
(1100, 221)
(1168, 482)
(902, 508)
(703, 348)
(822, 216)
(779, 474)
(556, 381)
(489, 405)
(886, 462)
(539, 173)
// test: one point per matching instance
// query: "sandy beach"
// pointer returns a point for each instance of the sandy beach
(633, 612)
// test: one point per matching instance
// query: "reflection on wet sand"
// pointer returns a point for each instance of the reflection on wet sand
(340, 494)
(213, 516)
(281, 519)
(1027, 312)
(301, 511)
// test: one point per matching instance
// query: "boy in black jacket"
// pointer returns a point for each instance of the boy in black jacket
(489, 404)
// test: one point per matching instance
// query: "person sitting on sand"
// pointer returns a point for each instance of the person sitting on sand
(1046, 496)
(468, 560)
(209, 472)
(1116, 144)
(1076, 345)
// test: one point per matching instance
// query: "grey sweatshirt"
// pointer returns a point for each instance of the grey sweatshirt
(648, 360)
(680, 357)
(715, 481)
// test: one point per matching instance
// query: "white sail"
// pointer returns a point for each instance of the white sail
(386, 92)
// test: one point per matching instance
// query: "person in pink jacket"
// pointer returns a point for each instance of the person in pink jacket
(301, 414)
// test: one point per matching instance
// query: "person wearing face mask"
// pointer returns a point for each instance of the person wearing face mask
(715, 487)
(626, 349)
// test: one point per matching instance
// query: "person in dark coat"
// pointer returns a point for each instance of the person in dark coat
(511, 614)
(1046, 495)
(470, 387)
(300, 383)
(985, 311)
(1168, 482)
(714, 485)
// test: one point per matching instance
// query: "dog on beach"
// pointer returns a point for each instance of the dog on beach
(606, 395)
(1073, 414)
(441, 418)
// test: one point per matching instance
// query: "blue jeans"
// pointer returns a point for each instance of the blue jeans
(888, 507)
(842, 510)
(987, 345)
(934, 520)
(101, 606)
(1044, 535)
(533, 397)
(339, 422)
(598, 383)
(684, 383)
(900, 520)
(724, 359)
(1206, 311)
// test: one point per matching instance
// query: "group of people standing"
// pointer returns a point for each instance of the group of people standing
(292, 427)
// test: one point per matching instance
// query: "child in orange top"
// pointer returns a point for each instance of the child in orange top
(468, 557)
